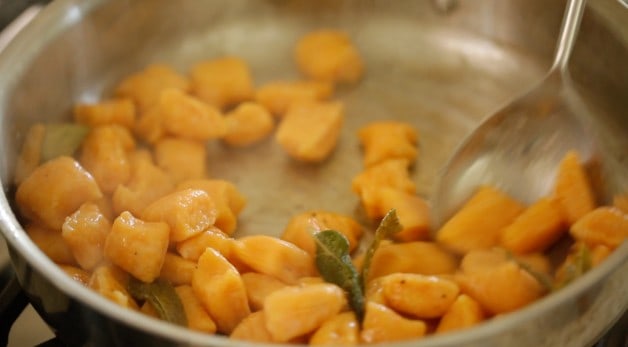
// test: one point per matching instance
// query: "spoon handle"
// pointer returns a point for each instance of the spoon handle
(568, 33)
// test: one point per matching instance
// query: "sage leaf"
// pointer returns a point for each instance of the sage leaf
(62, 139)
(543, 279)
(578, 263)
(162, 296)
(334, 264)
(387, 228)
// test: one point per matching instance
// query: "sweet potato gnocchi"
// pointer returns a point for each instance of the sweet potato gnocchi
(129, 204)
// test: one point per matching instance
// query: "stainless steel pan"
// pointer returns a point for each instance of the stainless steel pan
(440, 65)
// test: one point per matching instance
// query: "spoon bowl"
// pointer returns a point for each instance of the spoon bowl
(517, 149)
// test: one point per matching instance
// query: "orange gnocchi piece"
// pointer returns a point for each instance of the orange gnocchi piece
(185, 116)
(252, 328)
(228, 200)
(55, 190)
(137, 247)
(498, 284)
(215, 278)
(177, 270)
(111, 283)
(247, 124)
(573, 189)
(418, 295)
(426, 258)
(258, 287)
(115, 111)
(198, 319)
(607, 226)
(412, 211)
(146, 184)
(392, 173)
(181, 159)
(51, 242)
(279, 96)
(382, 324)
(144, 86)
(188, 212)
(340, 330)
(469, 228)
(535, 229)
(149, 126)
(192, 248)
(85, 232)
(300, 230)
(222, 82)
(275, 257)
(384, 140)
(105, 154)
(463, 313)
(310, 131)
(296, 311)
(329, 55)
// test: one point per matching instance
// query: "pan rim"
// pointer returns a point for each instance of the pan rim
(17, 238)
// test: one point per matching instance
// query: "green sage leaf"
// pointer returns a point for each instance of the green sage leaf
(577, 266)
(62, 139)
(334, 264)
(162, 296)
(543, 279)
(387, 228)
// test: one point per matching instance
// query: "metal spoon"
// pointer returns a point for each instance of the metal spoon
(517, 149)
